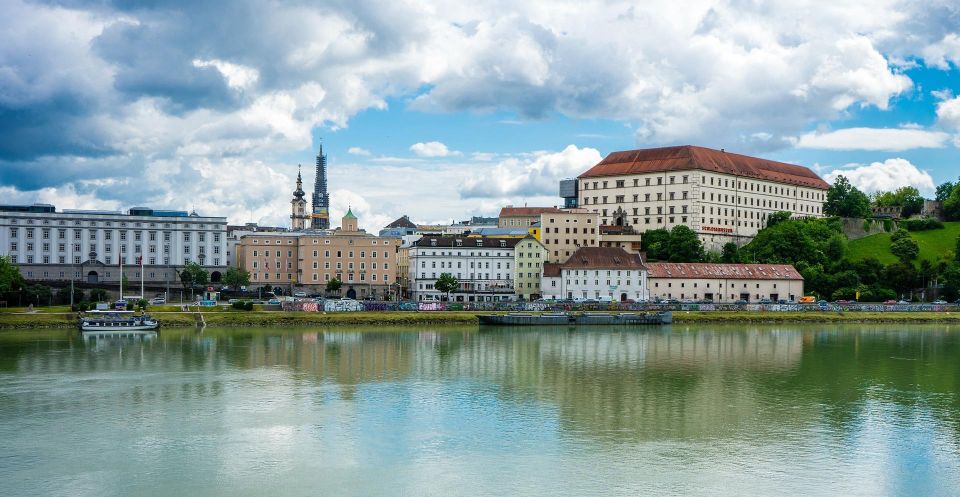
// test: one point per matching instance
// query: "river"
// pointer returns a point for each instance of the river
(710, 410)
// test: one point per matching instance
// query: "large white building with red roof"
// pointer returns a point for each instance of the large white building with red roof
(597, 273)
(721, 195)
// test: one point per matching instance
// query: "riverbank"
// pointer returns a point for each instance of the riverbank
(239, 319)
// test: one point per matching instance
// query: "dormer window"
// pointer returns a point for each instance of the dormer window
(459, 243)
(479, 243)
(433, 242)
(503, 243)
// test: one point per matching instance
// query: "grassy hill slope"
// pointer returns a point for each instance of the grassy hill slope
(933, 244)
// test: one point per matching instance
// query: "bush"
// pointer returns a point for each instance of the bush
(82, 307)
(248, 306)
(922, 224)
(242, 305)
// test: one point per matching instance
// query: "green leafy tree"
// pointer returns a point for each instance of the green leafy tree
(446, 283)
(97, 295)
(63, 295)
(951, 204)
(951, 281)
(236, 278)
(730, 253)
(777, 217)
(655, 244)
(956, 250)
(10, 278)
(684, 245)
(943, 191)
(898, 235)
(37, 295)
(142, 304)
(909, 200)
(334, 285)
(901, 277)
(906, 249)
(845, 200)
(193, 275)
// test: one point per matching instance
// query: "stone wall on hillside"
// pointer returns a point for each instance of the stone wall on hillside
(856, 228)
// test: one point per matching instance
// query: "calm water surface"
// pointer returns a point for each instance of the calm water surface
(714, 411)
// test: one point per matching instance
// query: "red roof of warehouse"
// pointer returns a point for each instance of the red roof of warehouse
(722, 271)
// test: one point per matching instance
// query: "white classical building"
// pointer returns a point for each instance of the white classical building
(89, 245)
(722, 196)
(484, 267)
(599, 273)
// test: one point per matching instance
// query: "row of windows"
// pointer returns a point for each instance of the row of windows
(316, 265)
(473, 276)
(108, 235)
(62, 247)
(256, 241)
(122, 224)
(683, 285)
(449, 265)
(326, 253)
(350, 277)
(714, 181)
(151, 261)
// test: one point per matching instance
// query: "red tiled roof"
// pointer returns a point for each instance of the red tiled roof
(402, 222)
(603, 257)
(526, 211)
(551, 270)
(723, 271)
(689, 157)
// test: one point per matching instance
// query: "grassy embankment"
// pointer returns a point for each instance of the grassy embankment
(239, 319)
(933, 244)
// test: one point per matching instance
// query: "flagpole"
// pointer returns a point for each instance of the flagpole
(141, 276)
(120, 259)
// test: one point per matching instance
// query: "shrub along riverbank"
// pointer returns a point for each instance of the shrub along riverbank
(241, 319)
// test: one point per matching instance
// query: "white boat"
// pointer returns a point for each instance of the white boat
(119, 322)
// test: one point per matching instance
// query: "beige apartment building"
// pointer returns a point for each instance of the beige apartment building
(306, 260)
(522, 217)
(529, 255)
(724, 283)
(562, 232)
(722, 196)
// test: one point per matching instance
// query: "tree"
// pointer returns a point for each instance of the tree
(898, 235)
(97, 295)
(906, 249)
(951, 204)
(236, 278)
(684, 245)
(951, 281)
(10, 278)
(333, 286)
(654, 243)
(142, 304)
(901, 276)
(956, 251)
(63, 295)
(193, 275)
(845, 200)
(37, 295)
(446, 283)
(777, 217)
(909, 200)
(731, 253)
(943, 191)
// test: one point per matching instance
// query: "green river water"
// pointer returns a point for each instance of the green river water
(684, 410)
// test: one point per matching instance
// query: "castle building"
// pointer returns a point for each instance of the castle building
(298, 207)
(320, 214)
(724, 197)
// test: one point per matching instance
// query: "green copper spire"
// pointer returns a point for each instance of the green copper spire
(349, 214)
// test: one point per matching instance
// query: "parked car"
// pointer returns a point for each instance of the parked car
(765, 301)
(889, 302)
(300, 294)
(841, 301)
(741, 302)
(901, 301)
(273, 302)
(158, 301)
(940, 302)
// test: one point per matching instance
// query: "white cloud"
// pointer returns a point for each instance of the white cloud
(943, 53)
(358, 151)
(885, 176)
(238, 76)
(887, 139)
(432, 149)
(538, 175)
(948, 112)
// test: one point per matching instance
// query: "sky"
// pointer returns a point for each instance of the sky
(443, 110)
